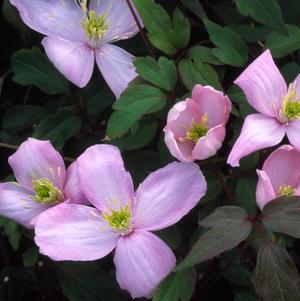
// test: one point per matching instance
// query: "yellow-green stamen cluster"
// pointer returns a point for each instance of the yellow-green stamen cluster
(197, 130)
(286, 190)
(95, 27)
(46, 192)
(119, 220)
(290, 106)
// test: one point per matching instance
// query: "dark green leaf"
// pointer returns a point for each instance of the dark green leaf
(276, 277)
(214, 188)
(251, 34)
(282, 215)
(282, 45)
(267, 12)
(163, 73)
(245, 194)
(231, 48)
(31, 67)
(195, 7)
(97, 103)
(290, 71)
(30, 256)
(12, 231)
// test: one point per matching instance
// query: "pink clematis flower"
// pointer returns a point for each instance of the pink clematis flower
(43, 182)
(122, 219)
(280, 175)
(195, 127)
(76, 35)
(278, 107)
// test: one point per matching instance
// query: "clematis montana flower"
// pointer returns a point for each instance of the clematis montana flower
(76, 35)
(43, 182)
(122, 219)
(277, 104)
(280, 175)
(195, 127)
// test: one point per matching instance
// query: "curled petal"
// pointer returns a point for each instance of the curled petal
(263, 85)
(74, 60)
(258, 132)
(116, 67)
(142, 261)
(167, 195)
(74, 232)
(37, 159)
(16, 204)
(264, 189)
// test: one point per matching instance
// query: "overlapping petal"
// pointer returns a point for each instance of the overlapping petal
(168, 194)
(142, 261)
(293, 133)
(264, 189)
(74, 60)
(37, 159)
(258, 132)
(74, 232)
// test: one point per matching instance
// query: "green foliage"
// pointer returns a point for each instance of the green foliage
(31, 67)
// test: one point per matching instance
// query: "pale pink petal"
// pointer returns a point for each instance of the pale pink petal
(283, 167)
(167, 195)
(180, 150)
(258, 132)
(103, 178)
(142, 261)
(208, 145)
(16, 204)
(296, 85)
(72, 189)
(54, 18)
(74, 232)
(264, 189)
(122, 24)
(293, 133)
(263, 85)
(213, 102)
(74, 60)
(116, 67)
(37, 159)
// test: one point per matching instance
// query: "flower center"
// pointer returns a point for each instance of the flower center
(197, 130)
(119, 220)
(286, 190)
(46, 192)
(290, 109)
(95, 26)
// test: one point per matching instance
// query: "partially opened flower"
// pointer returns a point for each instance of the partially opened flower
(76, 35)
(122, 219)
(43, 182)
(277, 104)
(280, 175)
(195, 127)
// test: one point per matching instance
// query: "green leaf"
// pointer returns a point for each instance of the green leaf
(20, 117)
(195, 7)
(134, 103)
(193, 70)
(231, 48)
(177, 286)
(58, 128)
(230, 227)
(245, 194)
(245, 294)
(290, 71)
(30, 256)
(282, 215)
(282, 45)
(166, 35)
(251, 34)
(267, 12)
(12, 231)
(275, 276)
(204, 54)
(214, 187)
(99, 101)
(31, 67)
(163, 73)
(88, 282)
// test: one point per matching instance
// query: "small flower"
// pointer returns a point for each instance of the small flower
(195, 127)
(122, 219)
(280, 175)
(277, 104)
(77, 34)
(43, 182)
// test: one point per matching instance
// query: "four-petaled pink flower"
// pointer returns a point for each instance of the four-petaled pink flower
(75, 35)
(195, 127)
(280, 175)
(122, 219)
(43, 182)
(278, 107)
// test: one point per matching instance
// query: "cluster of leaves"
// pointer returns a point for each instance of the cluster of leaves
(224, 243)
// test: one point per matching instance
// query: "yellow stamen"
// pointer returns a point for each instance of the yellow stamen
(198, 130)
(286, 190)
